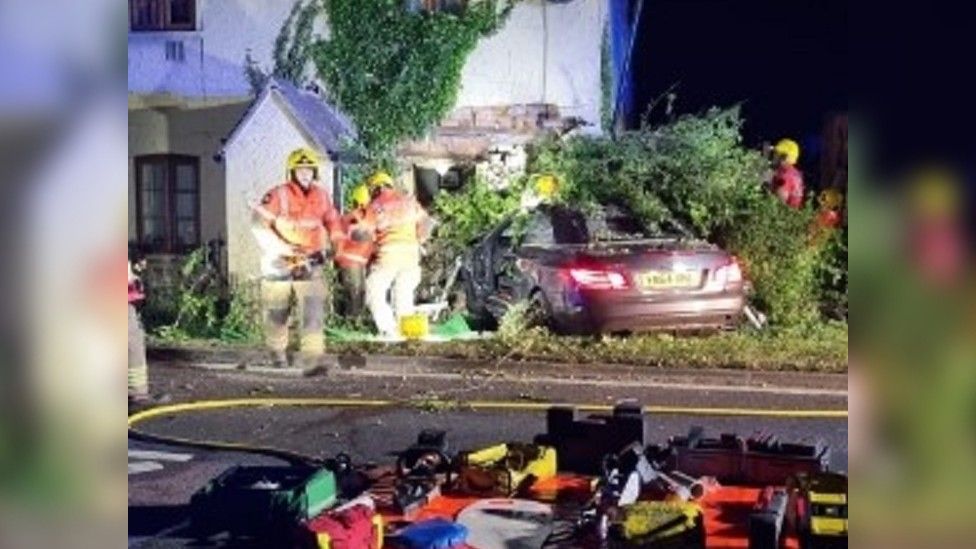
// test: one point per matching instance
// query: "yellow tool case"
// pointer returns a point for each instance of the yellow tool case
(504, 469)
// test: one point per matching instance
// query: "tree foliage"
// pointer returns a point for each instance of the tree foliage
(394, 71)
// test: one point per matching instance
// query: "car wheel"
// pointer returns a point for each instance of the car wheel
(477, 315)
(540, 312)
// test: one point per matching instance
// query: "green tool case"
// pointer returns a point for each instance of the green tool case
(260, 501)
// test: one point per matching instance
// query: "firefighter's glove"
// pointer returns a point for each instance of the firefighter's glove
(317, 258)
(360, 235)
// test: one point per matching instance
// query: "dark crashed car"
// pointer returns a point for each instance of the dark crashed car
(601, 271)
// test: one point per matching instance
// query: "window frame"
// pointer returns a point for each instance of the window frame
(170, 162)
(162, 10)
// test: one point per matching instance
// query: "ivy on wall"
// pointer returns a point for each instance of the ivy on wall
(394, 68)
(292, 49)
(397, 71)
(291, 53)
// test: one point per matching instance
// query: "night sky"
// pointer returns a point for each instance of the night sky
(785, 60)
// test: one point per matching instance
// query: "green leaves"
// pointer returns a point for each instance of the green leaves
(696, 171)
(473, 211)
(397, 73)
(693, 170)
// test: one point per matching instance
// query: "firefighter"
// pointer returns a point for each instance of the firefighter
(296, 226)
(831, 203)
(543, 190)
(787, 180)
(399, 226)
(138, 371)
(354, 253)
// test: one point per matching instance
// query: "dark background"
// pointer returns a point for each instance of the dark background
(785, 61)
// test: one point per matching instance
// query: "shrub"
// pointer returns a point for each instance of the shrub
(199, 305)
(695, 172)
(242, 322)
(779, 257)
(832, 274)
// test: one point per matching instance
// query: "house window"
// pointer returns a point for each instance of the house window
(162, 15)
(168, 203)
(448, 6)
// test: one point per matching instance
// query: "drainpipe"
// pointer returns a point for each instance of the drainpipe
(626, 70)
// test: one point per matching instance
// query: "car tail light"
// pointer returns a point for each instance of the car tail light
(598, 279)
(728, 274)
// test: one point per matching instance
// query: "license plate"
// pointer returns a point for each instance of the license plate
(660, 280)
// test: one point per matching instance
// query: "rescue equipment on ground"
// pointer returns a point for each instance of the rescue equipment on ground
(582, 442)
(761, 460)
(415, 326)
(261, 501)
(639, 499)
(819, 508)
(350, 479)
(507, 523)
(355, 524)
(432, 534)
(504, 469)
(767, 519)
(421, 469)
(624, 480)
(659, 524)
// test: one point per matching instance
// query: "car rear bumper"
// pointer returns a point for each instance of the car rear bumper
(606, 313)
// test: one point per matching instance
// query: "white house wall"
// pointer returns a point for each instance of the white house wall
(255, 161)
(213, 65)
(504, 69)
(508, 67)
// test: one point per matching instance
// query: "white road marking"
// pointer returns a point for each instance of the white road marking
(159, 456)
(147, 461)
(139, 467)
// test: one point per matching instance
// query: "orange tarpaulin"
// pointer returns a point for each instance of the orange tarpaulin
(727, 511)
(726, 508)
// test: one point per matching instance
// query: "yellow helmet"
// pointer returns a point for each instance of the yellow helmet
(546, 185)
(831, 199)
(934, 192)
(789, 149)
(360, 196)
(379, 179)
(302, 158)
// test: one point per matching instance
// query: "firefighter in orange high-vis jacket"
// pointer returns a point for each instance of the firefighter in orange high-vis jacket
(399, 226)
(296, 226)
(354, 253)
(787, 181)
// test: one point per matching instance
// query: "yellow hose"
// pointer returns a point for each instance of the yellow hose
(202, 405)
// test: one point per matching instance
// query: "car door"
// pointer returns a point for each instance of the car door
(516, 262)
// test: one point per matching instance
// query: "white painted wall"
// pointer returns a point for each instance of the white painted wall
(214, 62)
(255, 162)
(545, 53)
(507, 68)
